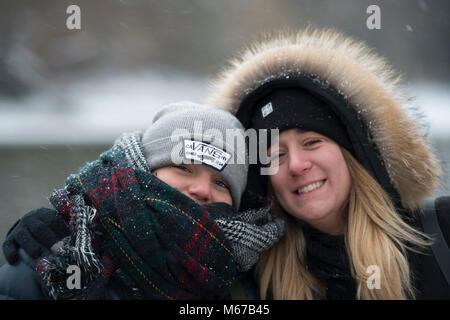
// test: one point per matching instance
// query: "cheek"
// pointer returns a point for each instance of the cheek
(221, 195)
(342, 179)
(274, 181)
(170, 178)
(278, 185)
(225, 197)
(347, 183)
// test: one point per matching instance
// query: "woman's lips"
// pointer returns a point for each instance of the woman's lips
(310, 187)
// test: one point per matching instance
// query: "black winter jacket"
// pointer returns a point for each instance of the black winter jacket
(20, 281)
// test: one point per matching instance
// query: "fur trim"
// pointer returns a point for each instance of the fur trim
(363, 78)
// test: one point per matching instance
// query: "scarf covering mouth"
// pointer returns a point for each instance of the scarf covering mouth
(158, 243)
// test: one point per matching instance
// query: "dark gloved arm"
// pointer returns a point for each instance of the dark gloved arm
(37, 229)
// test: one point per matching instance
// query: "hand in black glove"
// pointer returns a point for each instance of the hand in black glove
(41, 227)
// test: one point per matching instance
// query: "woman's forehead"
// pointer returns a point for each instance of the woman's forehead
(202, 167)
(295, 132)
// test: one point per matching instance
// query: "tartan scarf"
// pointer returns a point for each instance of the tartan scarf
(127, 224)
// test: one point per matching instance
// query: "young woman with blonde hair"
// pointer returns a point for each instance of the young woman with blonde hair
(353, 170)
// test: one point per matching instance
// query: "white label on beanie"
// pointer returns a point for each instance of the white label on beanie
(266, 110)
(206, 154)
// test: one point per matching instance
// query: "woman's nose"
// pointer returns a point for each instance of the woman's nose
(200, 191)
(298, 163)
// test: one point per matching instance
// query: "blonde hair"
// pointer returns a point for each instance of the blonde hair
(375, 235)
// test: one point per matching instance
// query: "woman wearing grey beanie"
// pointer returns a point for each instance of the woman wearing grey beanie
(155, 217)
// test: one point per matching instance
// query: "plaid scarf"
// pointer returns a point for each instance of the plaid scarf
(125, 222)
(156, 242)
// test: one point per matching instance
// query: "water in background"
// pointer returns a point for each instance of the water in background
(30, 173)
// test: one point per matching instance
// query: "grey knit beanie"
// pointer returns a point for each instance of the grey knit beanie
(190, 133)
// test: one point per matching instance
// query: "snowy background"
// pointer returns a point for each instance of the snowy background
(66, 95)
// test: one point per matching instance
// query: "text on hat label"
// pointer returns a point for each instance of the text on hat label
(206, 153)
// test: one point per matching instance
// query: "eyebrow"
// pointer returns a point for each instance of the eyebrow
(297, 131)
(219, 177)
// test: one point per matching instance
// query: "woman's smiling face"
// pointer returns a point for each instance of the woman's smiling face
(313, 181)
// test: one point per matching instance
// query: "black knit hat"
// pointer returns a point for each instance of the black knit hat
(294, 107)
(298, 101)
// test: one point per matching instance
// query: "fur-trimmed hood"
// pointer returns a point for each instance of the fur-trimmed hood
(349, 71)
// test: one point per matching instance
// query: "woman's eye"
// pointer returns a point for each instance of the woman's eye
(183, 168)
(275, 156)
(222, 184)
(312, 142)
(275, 159)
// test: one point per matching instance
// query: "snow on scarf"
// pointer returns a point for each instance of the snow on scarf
(159, 244)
